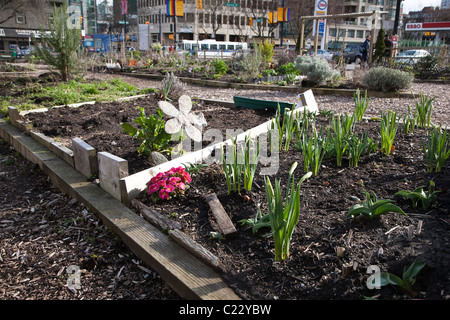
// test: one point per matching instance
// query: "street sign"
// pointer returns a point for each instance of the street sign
(123, 22)
(231, 4)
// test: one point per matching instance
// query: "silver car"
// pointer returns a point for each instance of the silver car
(411, 56)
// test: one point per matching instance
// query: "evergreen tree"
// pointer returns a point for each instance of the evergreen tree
(380, 47)
(60, 44)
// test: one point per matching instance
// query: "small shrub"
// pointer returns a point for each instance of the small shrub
(317, 70)
(220, 67)
(386, 79)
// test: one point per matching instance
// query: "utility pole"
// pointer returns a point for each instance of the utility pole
(175, 23)
(397, 17)
(282, 26)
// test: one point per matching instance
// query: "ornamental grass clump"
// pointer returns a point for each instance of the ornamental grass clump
(168, 185)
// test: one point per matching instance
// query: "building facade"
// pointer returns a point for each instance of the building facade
(223, 20)
(354, 30)
(21, 19)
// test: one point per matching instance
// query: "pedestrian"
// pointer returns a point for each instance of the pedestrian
(388, 45)
(365, 49)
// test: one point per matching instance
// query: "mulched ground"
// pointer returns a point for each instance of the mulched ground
(326, 242)
(43, 232)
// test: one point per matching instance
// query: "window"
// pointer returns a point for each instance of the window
(332, 32)
(213, 47)
(351, 33)
(204, 46)
(230, 47)
(20, 17)
(360, 34)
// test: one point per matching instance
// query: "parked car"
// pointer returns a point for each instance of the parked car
(322, 54)
(411, 56)
(351, 54)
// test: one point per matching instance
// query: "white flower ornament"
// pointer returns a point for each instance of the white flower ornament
(183, 119)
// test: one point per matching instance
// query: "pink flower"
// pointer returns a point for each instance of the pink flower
(161, 183)
(170, 188)
(174, 180)
(163, 194)
(181, 185)
(153, 188)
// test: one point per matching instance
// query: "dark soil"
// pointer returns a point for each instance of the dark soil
(314, 269)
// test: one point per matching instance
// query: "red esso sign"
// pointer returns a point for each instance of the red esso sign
(413, 26)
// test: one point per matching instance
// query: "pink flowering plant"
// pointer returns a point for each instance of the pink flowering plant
(169, 184)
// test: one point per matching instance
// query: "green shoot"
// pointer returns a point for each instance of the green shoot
(360, 104)
(408, 278)
(409, 122)
(284, 217)
(389, 127)
(424, 109)
(232, 167)
(314, 149)
(358, 146)
(437, 149)
(251, 159)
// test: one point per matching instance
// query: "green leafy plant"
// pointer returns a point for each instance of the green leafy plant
(373, 208)
(436, 149)
(423, 111)
(361, 104)
(427, 198)
(219, 66)
(151, 135)
(407, 280)
(389, 126)
(284, 217)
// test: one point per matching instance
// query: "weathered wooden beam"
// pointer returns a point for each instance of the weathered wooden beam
(224, 222)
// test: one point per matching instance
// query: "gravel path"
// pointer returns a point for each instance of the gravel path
(338, 104)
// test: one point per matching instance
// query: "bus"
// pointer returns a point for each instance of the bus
(210, 49)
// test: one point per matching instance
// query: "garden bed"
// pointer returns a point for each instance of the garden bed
(99, 125)
(330, 253)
